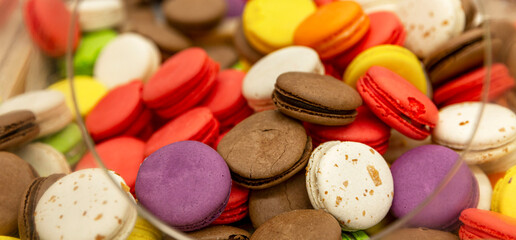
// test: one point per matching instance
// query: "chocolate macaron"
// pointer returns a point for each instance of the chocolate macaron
(26, 227)
(194, 16)
(17, 127)
(316, 98)
(265, 149)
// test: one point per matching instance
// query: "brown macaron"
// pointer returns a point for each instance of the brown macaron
(300, 225)
(15, 176)
(224, 54)
(287, 196)
(265, 149)
(26, 226)
(194, 16)
(420, 234)
(221, 232)
(316, 98)
(457, 56)
(16, 128)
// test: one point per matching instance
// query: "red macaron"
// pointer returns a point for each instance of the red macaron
(468, 87)
(483, 224)
(121, 154)
(48, 22)
(180, 83)
(197, 124)
(237, 207)
(398, 103)
(120, 112)
(366, 129)
(385, 28)
(226, 100)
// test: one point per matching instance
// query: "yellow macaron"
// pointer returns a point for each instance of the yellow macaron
(270, 24)
(8, 238)
(88, 92)
(504, 194)
(398, 59)
(143, 230)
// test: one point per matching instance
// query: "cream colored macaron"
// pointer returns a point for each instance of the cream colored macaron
(99, 14)
(485, 190)
(352, 182)
(128, 57)
(45, 159)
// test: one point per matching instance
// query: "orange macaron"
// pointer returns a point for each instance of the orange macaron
(333, 28)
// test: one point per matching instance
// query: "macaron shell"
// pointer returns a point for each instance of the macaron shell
(396, 58)
(44, 159)
(69, 142)
(259, 81)
(486, 224)
(430, 24)
(484, 186)
(143, 230)
(219, 232)
(95, 15)
(420, 233)
(361, 204)
(502, 164)
(89, 48)
(201, 125)
(380, 89)
(17, 127)
(504, 190)
(88, 92)
(88, 198)
(269, 25)
(457, 122)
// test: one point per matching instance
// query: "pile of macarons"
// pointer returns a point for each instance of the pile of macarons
(262, 119)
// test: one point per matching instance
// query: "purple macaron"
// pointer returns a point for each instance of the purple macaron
(186, 184)
(418, 172)
(235, 7)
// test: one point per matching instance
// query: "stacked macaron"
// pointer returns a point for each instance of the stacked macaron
(291, 119)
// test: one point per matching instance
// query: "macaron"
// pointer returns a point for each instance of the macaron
(45, 21)
(237, 207)
(180, 83)
(483, 224)
(194, 16)
(398, 103)
(395, 58)
(15, 176)
(366, 129)
(259, 82)
(469, 87)
(88, 92)
(120, 112)
(17, 128)
(96, 15)
(90, 198)
(352, 182)
(235, 7)
(89, 49)
(226, 101)
(143, 230)
(358, 235)
(458, 55)
(285, 197)
(418, 173)
(494, 132)
(49, 107)
(384, 28)
(69, 142)
(243, 47)
(220, 232)
(223, 53)
(484, 187)
(33, 193)
(270, 25)
(265, 149)
(45, 159)
(315, 98)
(197, 124)
(503, 195)
(127, 57)
(123, 155)
(429, 25)
(333, 28)
(300, 224)
(419, 233)
(185, 184)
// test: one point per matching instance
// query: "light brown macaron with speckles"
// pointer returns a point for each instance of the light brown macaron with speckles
(316, 98)
(265, 149)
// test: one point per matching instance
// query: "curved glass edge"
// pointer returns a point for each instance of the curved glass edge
(399, 223)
